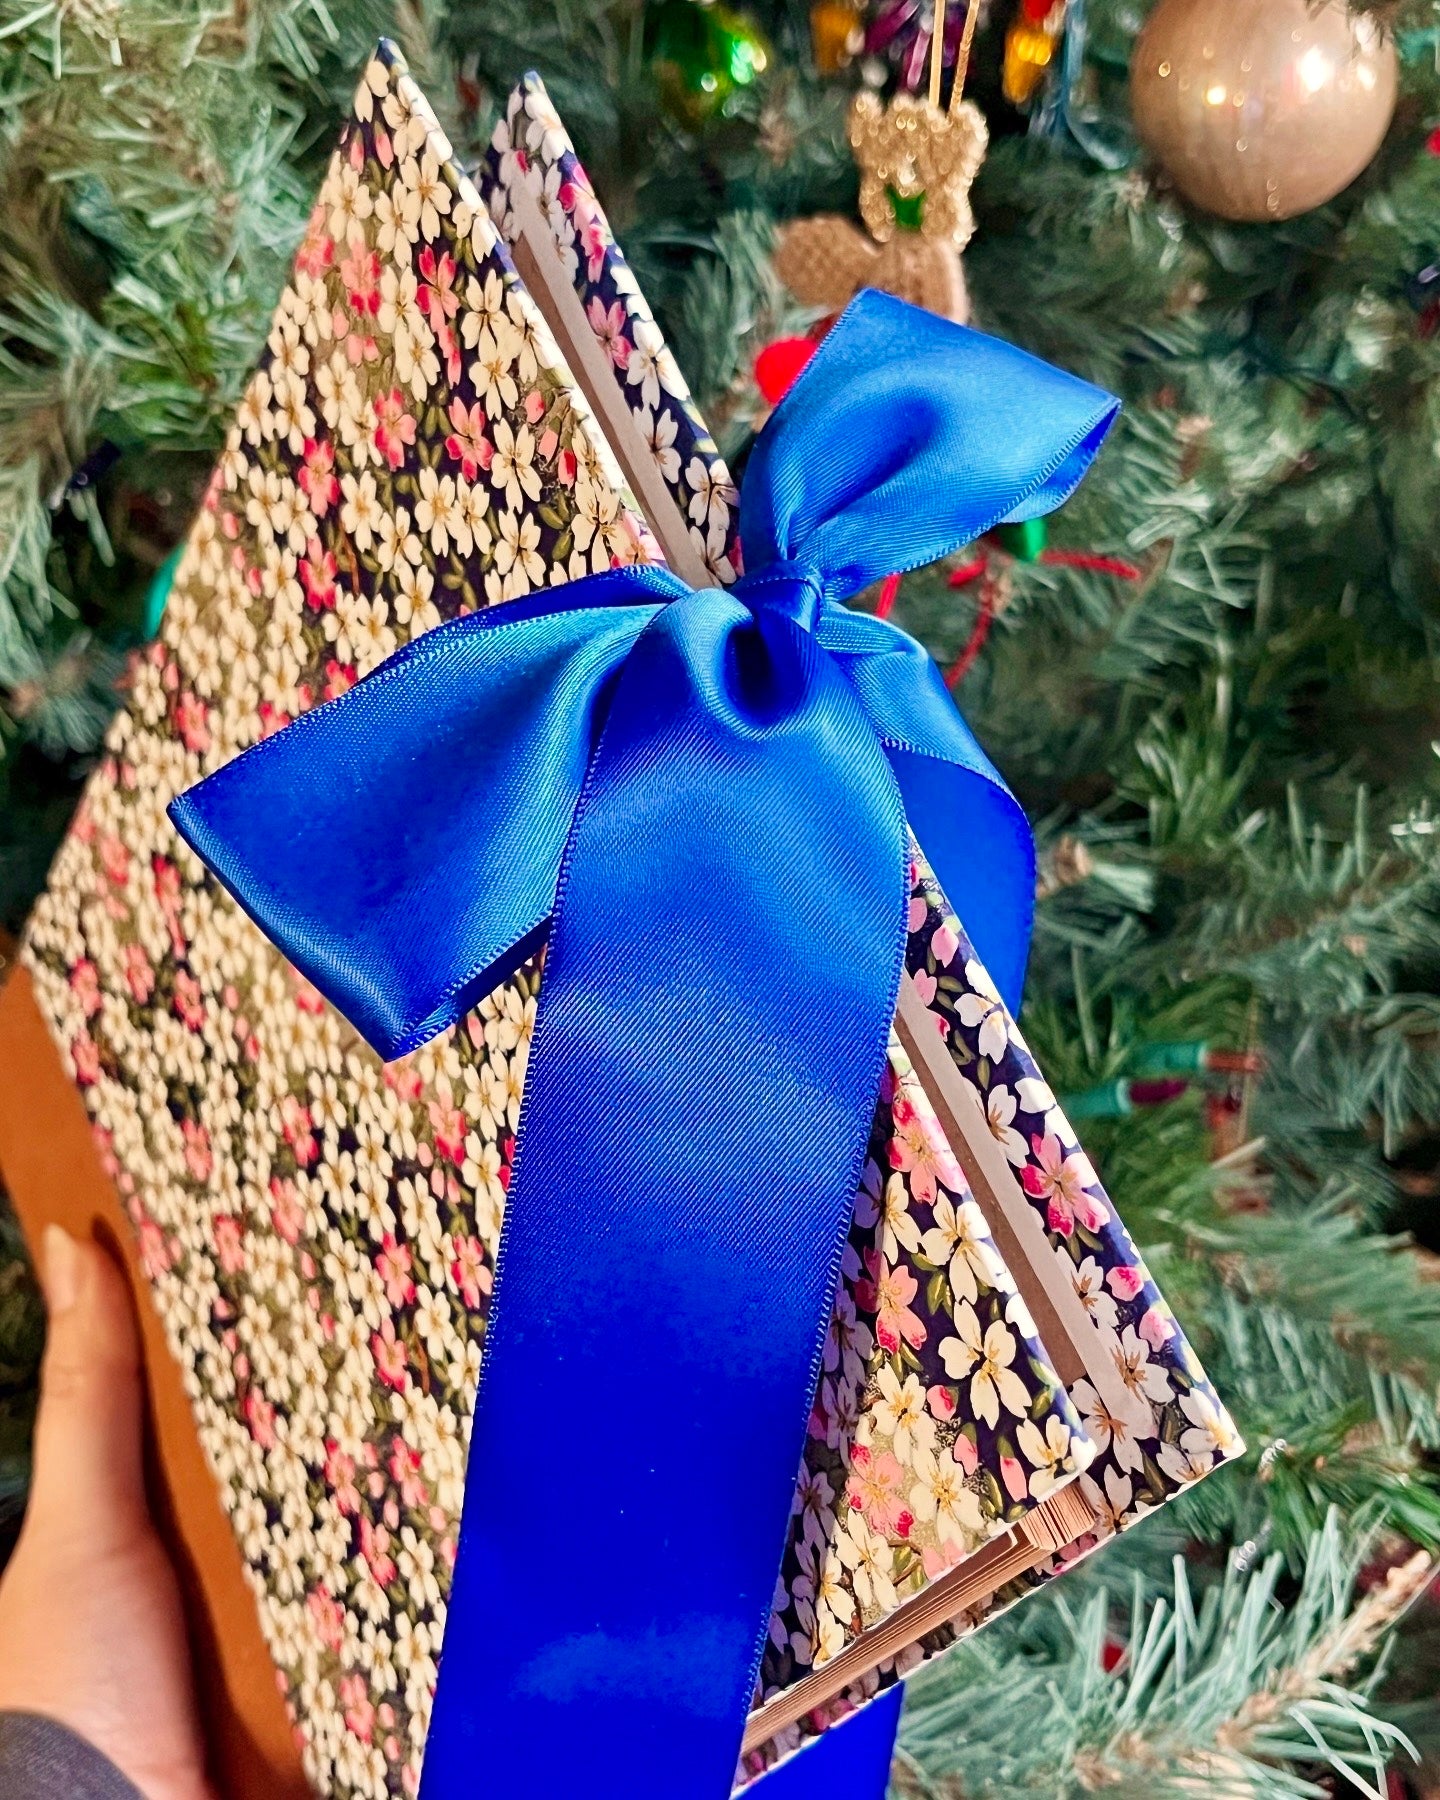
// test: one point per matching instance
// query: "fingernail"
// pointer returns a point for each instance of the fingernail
(62, 1269)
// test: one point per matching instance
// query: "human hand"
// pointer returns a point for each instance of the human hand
(91, 1631)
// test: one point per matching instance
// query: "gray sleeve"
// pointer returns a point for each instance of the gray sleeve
(43, 1760)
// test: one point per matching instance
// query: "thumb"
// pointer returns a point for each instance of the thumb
(88, 1480)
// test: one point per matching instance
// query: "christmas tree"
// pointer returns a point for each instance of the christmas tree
(1214, 691)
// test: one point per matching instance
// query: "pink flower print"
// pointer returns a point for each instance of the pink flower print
(189, 1004)
(1060, 1181)
(85, 985)
(467, 442)
(339, 678)
(375, 1548)
(86, 1057)
(340, 1478)
(918, 913)
(1013, 1476)
(469, 1270)
(1157, 1327)
(567, 467)
(390, 1358)
(115, 859)
(936, 1562)
(192, 721)
(448, 1124)
(199, 1158)
(360, 272)
(317, 575)
(229, 1236)
(358, 1708)
(317, 476)
(1124, 1281)
(317, 252)
(534, 406)
(593, 237)
(888, 1293)
(327, 1616)
(394, 427)
(286, 1213)
(153, 1250)
(405, 1464)
(918, 1149)
(308, 998)
(875, 1489)
(260, 1417)
(966, 1452)
(393, 1265)
(295, 1124)
(941, 1400)
(438, 298)
(944, 944)
(449, 347)
(609, 329)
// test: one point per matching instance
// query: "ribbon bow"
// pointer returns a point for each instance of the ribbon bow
(701, 799)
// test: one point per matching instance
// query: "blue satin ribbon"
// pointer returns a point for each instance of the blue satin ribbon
(701, 799)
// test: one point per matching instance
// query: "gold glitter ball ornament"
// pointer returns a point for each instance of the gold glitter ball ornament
(1262, 109)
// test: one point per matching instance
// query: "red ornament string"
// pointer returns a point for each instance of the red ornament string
(975, 570)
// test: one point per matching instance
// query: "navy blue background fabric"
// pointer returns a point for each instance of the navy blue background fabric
(706, 794)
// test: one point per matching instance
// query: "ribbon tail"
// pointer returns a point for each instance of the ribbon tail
(401, 844)
(971, 827)
(708, 1046)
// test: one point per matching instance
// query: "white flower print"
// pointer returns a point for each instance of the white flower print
(1050, 1456)
(1210, 1432)
(899, 1409)
(982, 1007)
(1117, 1432)
(658, 429)
(422, 177)
(517, 551)
(437, 512)
(999, 1116)
(1088, 1280)
(1144, 1379)
(512, 468)
(989, 1354)
(361, 512)
(959, 1243)
(871, 1563)
(940, 1493)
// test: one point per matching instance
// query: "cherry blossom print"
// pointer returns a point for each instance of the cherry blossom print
(989, 1354)
(1061, 1181)
(981, 1009)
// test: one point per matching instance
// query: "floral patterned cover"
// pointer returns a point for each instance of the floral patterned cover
(1169, 1430)
(530, 143)
(319, 1230)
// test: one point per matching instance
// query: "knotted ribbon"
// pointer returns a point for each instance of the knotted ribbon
(701, 801)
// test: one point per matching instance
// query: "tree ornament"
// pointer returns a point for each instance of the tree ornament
(702, 52)
(837, 33)
(917, 161)
(1030, 47)
(1262, 109)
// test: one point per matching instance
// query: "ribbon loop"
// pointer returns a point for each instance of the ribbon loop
(703, 797)
(907, 436)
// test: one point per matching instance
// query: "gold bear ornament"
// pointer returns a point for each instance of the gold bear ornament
(917, 164)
